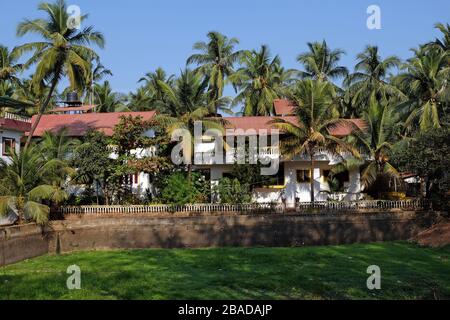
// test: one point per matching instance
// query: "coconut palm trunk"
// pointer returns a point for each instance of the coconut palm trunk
(312, 163)
(41, 112)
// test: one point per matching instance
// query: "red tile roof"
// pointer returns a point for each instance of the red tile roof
(261, 123)
(78, 124)
(14, 125)
(283, 107)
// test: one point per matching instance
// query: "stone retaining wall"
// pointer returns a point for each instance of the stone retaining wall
(168, 231)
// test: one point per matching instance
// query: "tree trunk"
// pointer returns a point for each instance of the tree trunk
(40, 113)
(312, 177)
(189, 173)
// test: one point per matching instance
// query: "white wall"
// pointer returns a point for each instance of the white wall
(9, 134)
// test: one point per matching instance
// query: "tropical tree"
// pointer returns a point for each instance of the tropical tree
(106, 100)
(376, 141)
(140, 100)
(443, 43)
(371, 78)
(425, 82)
(188, 93)
(321, 62)
(186, 103)
(9, 68)
(27, 185)
(316, 116)
(57, 145)
(216, 61)
(259, 81)
(98, 72)
(151, 80)
(63, 51)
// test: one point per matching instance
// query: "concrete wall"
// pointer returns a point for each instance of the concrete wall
(168, 231)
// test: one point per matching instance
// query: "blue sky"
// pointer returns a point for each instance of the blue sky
(142, 35)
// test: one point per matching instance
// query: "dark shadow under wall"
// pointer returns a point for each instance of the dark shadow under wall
(145, 231)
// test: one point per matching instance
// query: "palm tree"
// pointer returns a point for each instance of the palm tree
(187, 94)
(151, 83)
(98, 72)
(370, 78)
(9, 68)
(426, 84)
(63, 51)
(216, 61)
(186, 103)
(57, 145)
(28, 181)
(316, 116)
(106, 100)
(376, 141)
(321, 63)
(443, 43)
(259, 81)
(141, 100)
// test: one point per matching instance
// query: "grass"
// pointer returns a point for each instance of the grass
(333, 272)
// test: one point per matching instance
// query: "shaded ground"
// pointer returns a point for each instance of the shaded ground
(334, 272)
(437, 236)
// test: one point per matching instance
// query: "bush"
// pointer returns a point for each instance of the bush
(179, 191)
(232, 191)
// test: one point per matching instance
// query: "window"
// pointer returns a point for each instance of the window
(136, 178)
(303, 176)
(8, 144)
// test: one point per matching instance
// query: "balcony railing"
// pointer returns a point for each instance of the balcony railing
(12, 116)
(302, 207)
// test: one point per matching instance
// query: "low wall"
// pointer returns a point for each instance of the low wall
(168, 231)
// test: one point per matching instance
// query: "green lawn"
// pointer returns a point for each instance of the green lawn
(334, 272)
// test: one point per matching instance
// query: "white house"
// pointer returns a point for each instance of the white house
(12, 129)
(291, 180)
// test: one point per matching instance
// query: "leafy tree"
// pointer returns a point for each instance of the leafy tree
(29, 183)
(98, 72)
(152, 86)
(178, 190)
(371, 78)
(216, 61)
(233, 191)
(259, 81)
(425, 82)
(443, 43)
(427, 156)
(141, 100)
(94, 165)
(106, 100)
(9, 68)
(63, 51)
(316, 116)
(57, 145)
(321, 62)
(375, 142)
(187, 94)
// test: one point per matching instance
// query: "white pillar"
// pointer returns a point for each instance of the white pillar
(354, 187)
(290, 177)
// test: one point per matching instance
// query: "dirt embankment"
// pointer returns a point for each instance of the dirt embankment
(436, 236)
